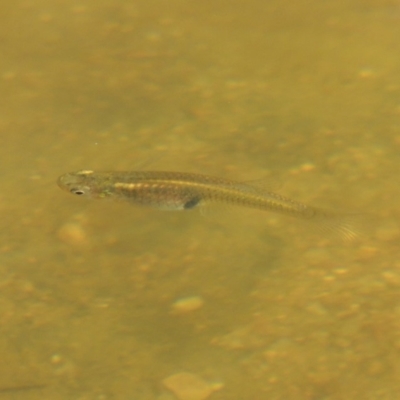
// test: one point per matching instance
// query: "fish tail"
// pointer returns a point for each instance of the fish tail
(346, 226)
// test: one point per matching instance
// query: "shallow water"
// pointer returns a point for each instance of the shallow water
(103, 300)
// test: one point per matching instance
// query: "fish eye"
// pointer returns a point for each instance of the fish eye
(78, 192)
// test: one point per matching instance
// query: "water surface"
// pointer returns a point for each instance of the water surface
(305, 95)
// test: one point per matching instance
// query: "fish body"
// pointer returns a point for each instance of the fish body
(176, 190)
(184, 191)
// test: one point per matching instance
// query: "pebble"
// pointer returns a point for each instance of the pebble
(392, 278)
(73, 234)
(188, 386)
(187, 304)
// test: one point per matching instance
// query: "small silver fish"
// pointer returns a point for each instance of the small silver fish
(184, 191)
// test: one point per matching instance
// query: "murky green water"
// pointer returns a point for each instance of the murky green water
(103, 300)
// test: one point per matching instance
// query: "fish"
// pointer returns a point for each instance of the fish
(185, 191)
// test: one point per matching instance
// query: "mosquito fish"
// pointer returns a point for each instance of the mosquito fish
(185, 191)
